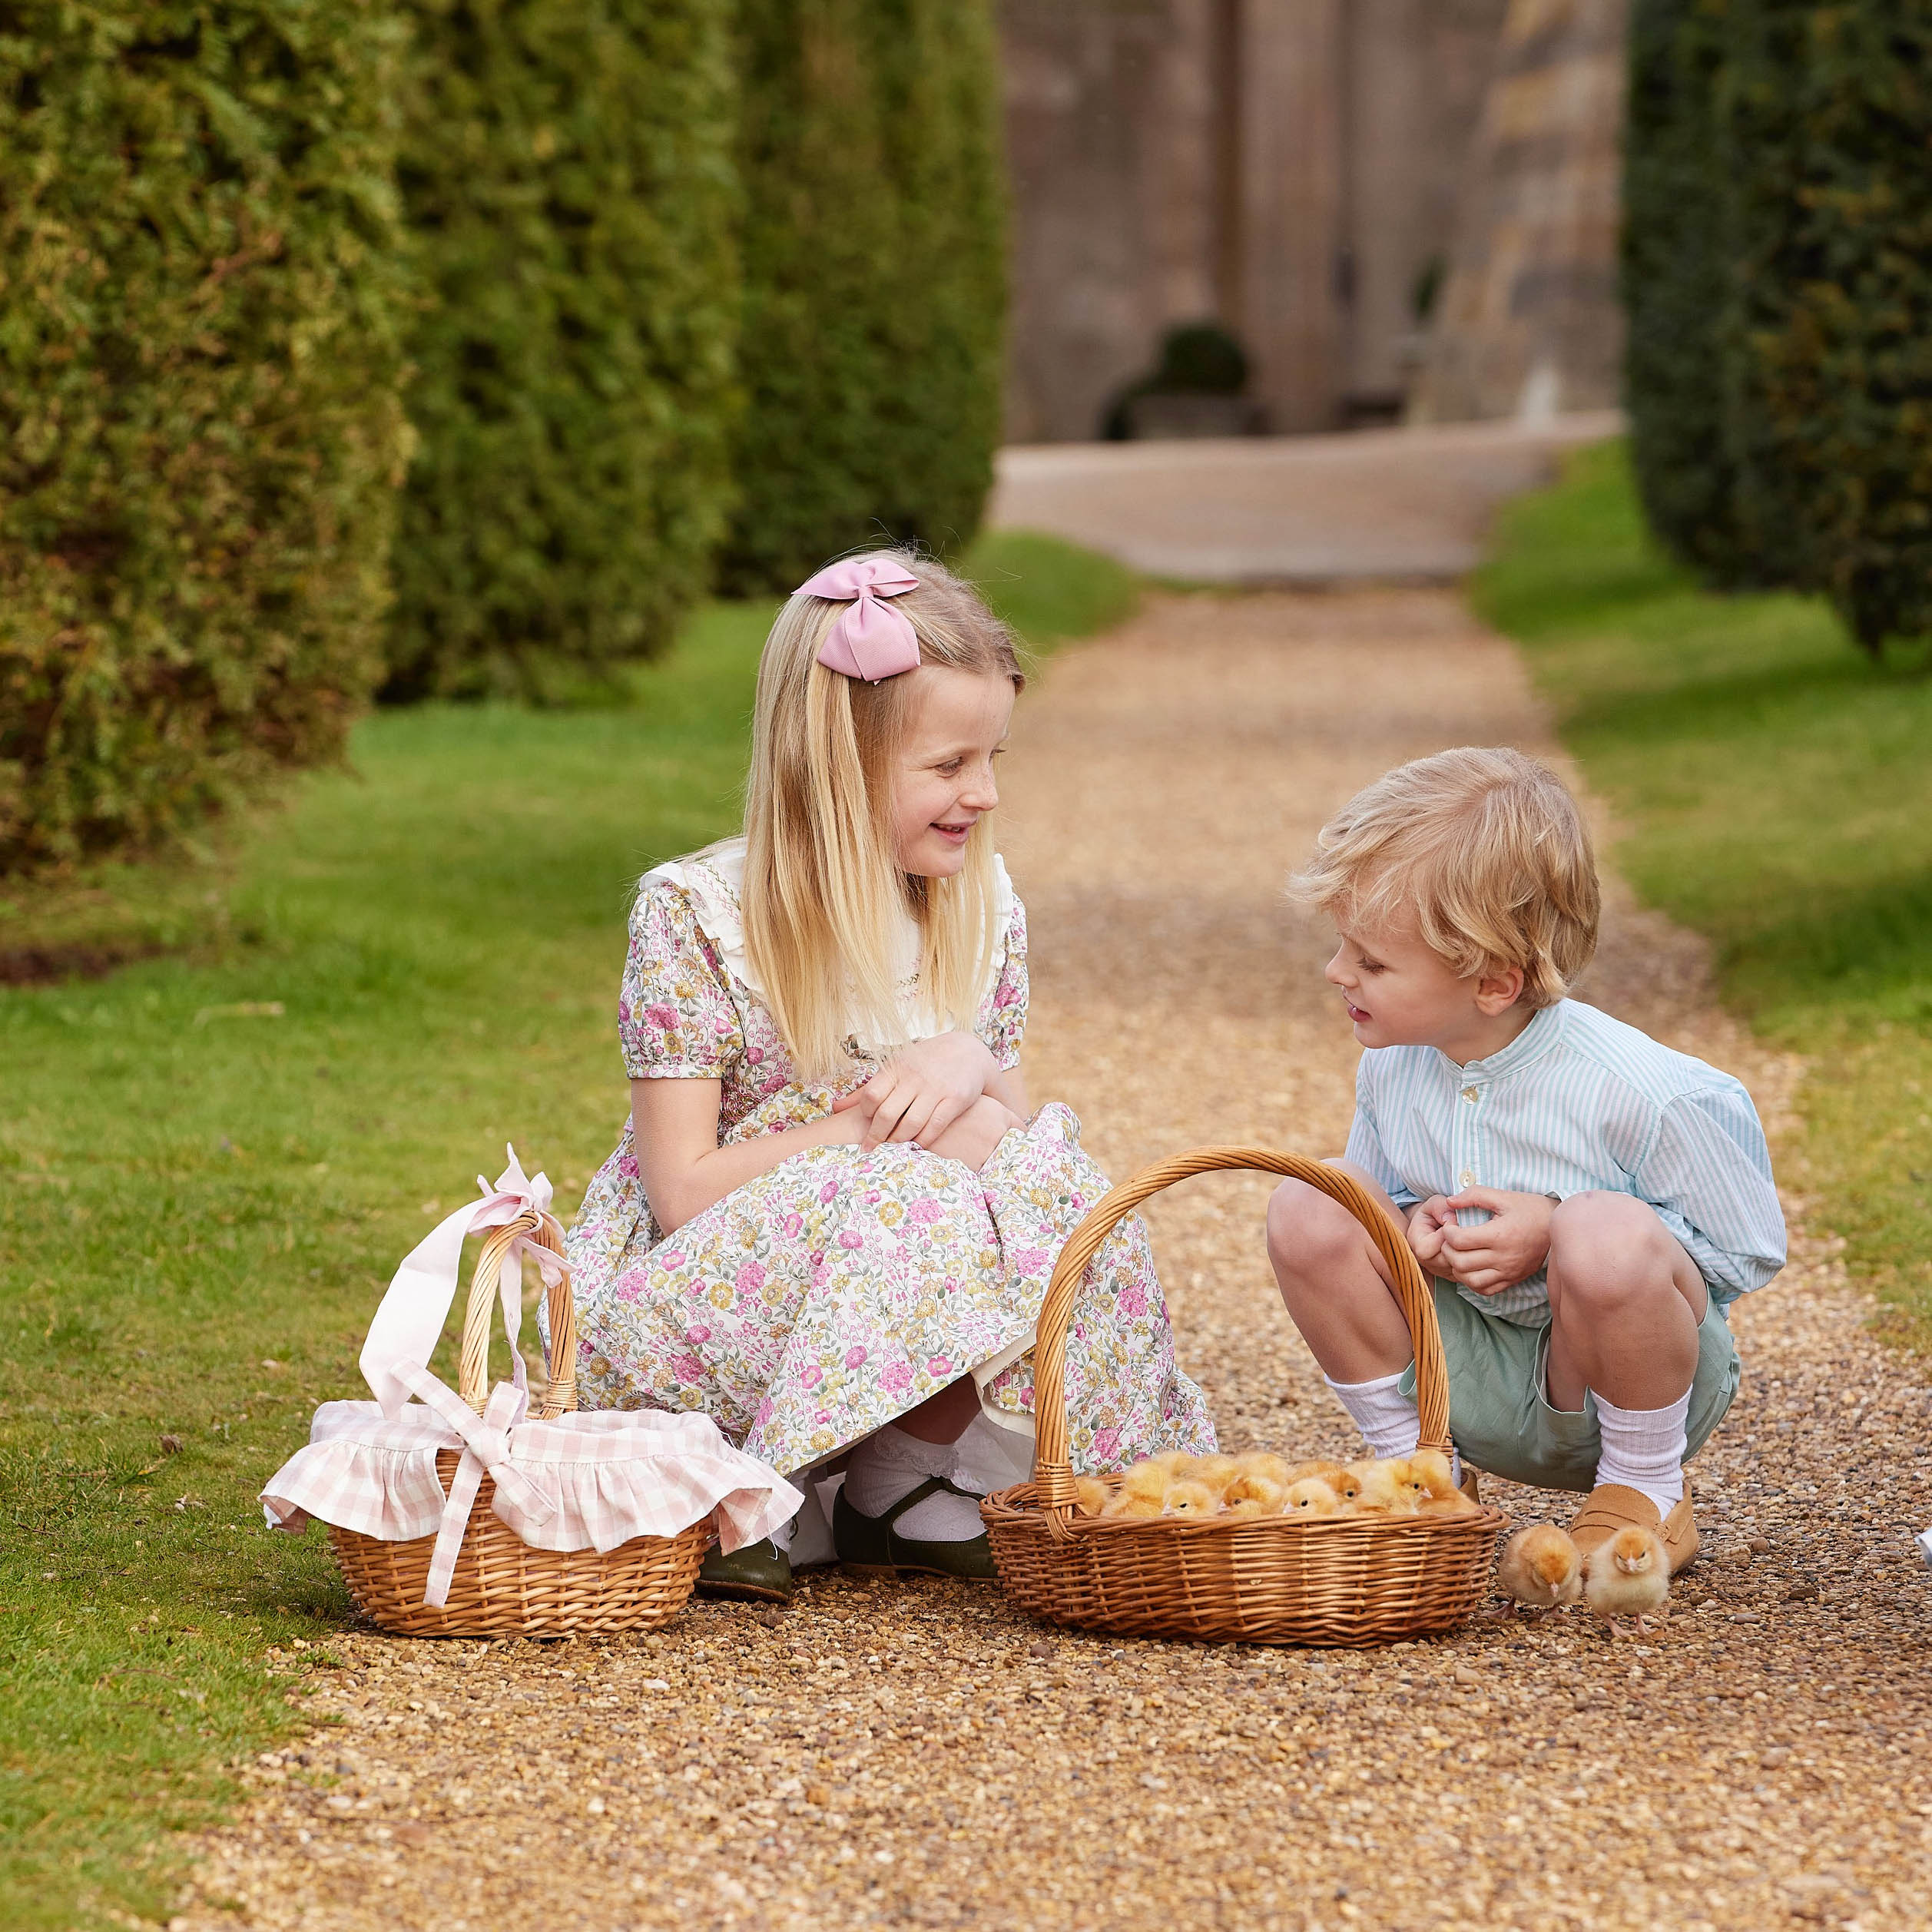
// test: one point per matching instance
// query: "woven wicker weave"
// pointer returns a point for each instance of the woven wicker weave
(501, 1586)
(1277, 1580)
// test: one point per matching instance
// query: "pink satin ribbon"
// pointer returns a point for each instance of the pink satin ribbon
(872, 641)
(486, 1450)
(404, 1333)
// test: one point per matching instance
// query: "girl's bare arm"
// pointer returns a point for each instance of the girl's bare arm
(684, 1171)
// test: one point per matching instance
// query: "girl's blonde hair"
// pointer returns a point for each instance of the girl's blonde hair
(825, 898)
(1487, 850)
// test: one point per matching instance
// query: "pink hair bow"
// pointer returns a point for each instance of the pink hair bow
(871, 641)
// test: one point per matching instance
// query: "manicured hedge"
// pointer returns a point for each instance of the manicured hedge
(1780, 270)
(568, 178)
(1827, 139)
(201, 429)
(874, 264)
(1677, 275)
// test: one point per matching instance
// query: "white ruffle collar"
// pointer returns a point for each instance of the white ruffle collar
(714, 881)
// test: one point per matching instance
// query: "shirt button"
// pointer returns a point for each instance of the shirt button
(1467, 1177)
(1469, 1093)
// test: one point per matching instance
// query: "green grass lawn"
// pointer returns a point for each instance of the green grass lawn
(201, 1198)
(1774, 786)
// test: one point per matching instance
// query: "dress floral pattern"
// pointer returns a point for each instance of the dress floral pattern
(815, 1302)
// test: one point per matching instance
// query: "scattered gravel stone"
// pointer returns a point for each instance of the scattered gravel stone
(920, 1755)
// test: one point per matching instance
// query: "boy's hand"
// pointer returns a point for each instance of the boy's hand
(1508, 1247)
(1425, 1225)
(923, 1090)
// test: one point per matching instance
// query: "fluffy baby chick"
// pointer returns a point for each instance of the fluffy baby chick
(1541, 1568)
(1329, 1473)
(1433, 1484)
(1217, 1471)
(1628, 1579)
(1142, 1493)
(1195, 1500)
(1090, 1495)
(1262, 1462)
(1253, 1493)
(1381, 1489)
(1311, 1499)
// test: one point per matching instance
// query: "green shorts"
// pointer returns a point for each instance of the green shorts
(1499, 1415)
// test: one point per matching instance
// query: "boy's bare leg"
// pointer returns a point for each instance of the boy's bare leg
(1625, 1302)
(1334, 1283)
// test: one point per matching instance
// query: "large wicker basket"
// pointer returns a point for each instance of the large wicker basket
(501, 1586)
(1358, 1580)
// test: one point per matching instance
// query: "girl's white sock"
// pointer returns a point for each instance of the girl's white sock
(889, 1464)
(1643, 1448)
(1385, 1416)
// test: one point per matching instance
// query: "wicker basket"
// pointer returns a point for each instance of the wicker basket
(501, 1586)
(1355, 1580)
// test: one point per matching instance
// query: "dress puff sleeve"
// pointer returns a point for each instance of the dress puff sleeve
(1003, 1022)
(675, 1016)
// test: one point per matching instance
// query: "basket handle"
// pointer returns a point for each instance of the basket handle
(1052, 1473)
(543, 1230)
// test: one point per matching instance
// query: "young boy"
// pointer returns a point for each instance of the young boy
(1587, 1200)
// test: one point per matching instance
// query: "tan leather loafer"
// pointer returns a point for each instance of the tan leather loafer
(1612, 1507)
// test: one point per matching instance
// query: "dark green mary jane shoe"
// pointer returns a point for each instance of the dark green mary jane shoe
(760, 1573)
(871, 1545)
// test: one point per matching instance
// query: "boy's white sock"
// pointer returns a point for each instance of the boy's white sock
(1643, 1448)
(889, 1464)
(1385, 1416)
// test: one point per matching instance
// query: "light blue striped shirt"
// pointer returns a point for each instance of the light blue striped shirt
(1578, 1101)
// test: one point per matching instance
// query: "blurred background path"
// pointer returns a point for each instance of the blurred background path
(920, 1755)
(1402, 506)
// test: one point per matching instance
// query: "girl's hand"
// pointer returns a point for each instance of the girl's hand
(924, 1089)
(1508, 1247)
(973, 1137)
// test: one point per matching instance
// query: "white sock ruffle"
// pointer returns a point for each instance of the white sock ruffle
(1385, 1416)
(889, 1464)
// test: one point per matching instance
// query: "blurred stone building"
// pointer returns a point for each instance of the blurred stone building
(1399, 207)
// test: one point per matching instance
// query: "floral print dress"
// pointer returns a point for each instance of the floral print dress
(815, 1303)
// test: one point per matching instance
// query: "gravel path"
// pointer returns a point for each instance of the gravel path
(918, 1755)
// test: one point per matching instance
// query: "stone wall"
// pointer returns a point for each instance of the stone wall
(1287, 167)
(1530, 323)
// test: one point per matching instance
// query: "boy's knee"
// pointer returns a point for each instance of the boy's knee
(1308, 1228)
(1604, 1246)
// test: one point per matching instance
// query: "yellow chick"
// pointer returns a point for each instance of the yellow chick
(1382, 1489)
(1329, 1473)
(1434, 1484)
(1311, 1499)
(1217, 1471)
(1253, 1493)
(1143, 1493)
(1195, 1500)
(1261, 1461)
(1541, 1568)
(1090, 1495)
(1628, 1579)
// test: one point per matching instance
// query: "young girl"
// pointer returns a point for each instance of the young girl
(831, 1220)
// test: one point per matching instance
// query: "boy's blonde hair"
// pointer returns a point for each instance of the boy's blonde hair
(1485, 847)
(824, 897)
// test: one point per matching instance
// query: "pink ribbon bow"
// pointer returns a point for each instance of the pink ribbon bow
(872, 641)
(404, 1333)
